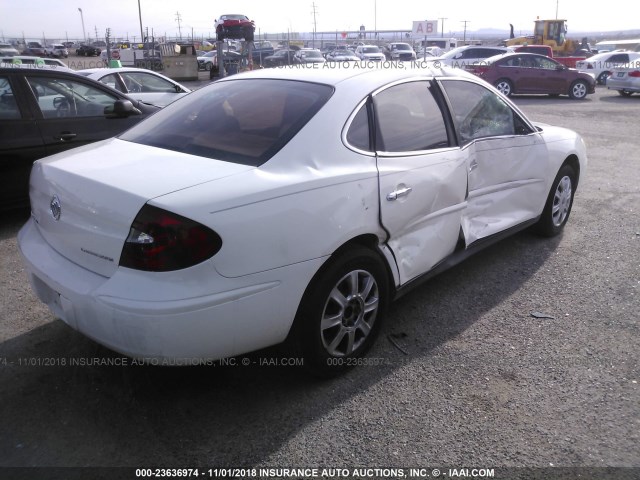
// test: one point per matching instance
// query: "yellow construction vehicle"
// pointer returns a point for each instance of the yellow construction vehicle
(553, 33)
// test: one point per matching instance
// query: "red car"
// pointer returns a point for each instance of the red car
(234, 26)
(514, 73)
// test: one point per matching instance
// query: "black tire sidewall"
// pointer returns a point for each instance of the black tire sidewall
(307, 323)
(545, 225)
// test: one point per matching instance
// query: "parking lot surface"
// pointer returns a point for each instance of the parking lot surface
(524, 355)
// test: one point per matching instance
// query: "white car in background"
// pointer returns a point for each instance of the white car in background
(601, 65)
(138, 83)
(57, 50)
(8, 50)
(469, 55)
(35, 61)
(287, 204)
(370, 53)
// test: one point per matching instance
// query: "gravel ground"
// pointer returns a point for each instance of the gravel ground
(463, 374)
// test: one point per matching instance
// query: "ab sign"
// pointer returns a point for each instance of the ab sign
(425, 28)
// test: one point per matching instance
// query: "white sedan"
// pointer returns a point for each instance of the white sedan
(287, 204)
(138, 83)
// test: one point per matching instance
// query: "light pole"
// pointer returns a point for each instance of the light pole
(140, 17)
(84, 34)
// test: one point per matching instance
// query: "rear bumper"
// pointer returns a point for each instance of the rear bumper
(613, 84)
(177, 317)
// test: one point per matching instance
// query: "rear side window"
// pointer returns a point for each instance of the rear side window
(240, 121)
(409, 119)
(8, 105)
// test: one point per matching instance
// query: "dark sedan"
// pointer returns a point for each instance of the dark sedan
(45, 111)
(530, 73)
(88, 51)
(279, 58)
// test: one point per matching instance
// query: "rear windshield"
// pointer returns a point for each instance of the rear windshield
(241, 121)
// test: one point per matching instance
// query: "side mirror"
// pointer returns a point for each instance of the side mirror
(121, 109)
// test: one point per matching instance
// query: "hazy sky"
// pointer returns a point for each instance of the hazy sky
(61, 19)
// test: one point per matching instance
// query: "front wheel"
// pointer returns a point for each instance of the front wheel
(559, 202)
(578, 90)
(504, 86)
(341, 312)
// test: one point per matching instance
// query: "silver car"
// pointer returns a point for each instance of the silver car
(625, 80)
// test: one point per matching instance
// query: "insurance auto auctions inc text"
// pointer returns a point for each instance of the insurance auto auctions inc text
(352, 473)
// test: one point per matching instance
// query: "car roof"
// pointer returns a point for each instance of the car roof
(362, 78)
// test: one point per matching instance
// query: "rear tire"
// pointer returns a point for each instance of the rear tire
(625, 93)
(559, 202)
(504, 86)
(602, 78)
(341, 312)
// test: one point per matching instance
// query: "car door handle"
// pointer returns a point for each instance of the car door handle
(403, 192)
(65, 136)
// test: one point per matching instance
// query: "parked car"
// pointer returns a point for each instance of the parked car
(34, 49)
(88, 51)
(514, 73)
(399, 52)
(234, 26)
(233, 61)
(205, 60)
(428, 52)
(469, 55)
(265, 208)
(602, 64)
(625, 80)
(48, 110)
(279, 58)
(37, 61)
(308, 55)
(369, 53)
(7, 50)
(261, 49)
(57, 50)
(139, 84)
(342, 56)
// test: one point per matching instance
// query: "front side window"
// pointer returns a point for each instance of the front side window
(546, 63)
(240, 121)
(480, 113)
(61, 97)
(409, 119)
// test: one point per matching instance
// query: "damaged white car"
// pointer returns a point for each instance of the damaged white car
(287, 205)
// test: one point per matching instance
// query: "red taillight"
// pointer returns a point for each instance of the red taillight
(161, 241)
(635, 74)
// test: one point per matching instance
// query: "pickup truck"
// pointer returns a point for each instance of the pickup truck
(548, 52)
(261, 49)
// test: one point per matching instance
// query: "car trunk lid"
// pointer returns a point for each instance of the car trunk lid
(84, 201)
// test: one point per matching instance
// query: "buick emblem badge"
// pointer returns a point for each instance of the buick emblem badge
(55, 207)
